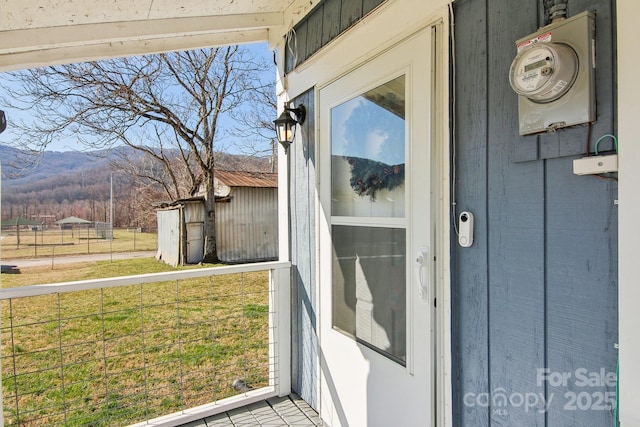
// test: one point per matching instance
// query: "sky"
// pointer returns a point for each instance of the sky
(361, 128)
(70, 144)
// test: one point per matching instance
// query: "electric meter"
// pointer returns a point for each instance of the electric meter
(544, 72)
(553, 75)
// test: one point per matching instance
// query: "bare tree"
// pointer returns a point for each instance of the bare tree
(170, 108)
(256, 124)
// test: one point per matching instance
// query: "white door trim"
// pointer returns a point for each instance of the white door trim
(442, 138)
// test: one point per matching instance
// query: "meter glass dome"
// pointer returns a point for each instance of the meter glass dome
(544, 72)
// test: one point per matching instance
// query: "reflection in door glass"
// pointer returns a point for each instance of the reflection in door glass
(369, 292)
(368, 153)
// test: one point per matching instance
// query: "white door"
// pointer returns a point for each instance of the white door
(375, 238)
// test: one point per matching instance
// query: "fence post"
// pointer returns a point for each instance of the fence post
(280, 329)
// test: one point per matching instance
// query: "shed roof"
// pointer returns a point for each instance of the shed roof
(247, 179)
(19, 221)
(225, 180)
(72, 220)
(179, 202)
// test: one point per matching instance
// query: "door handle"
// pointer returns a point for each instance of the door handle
(422, 267)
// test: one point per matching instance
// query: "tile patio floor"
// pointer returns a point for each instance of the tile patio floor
(278, 411)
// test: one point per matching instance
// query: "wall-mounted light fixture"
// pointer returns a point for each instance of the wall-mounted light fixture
(286, 124)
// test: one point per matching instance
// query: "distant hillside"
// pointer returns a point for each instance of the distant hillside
(72, 183)
(51, 164)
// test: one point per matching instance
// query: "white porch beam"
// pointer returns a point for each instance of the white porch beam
(115, 49)
(33, 39)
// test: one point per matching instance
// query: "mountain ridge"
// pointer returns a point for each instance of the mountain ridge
(78, 183)
(48, 164)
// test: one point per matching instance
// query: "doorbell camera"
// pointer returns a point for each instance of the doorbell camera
(465, 229)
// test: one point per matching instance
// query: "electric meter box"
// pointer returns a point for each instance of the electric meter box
(553, 74)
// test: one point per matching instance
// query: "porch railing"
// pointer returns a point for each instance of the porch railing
(153, 349)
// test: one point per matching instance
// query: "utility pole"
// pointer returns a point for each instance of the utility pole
(274, 153)
(111, 209)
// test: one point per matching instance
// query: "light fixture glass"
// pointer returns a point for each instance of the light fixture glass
(286, 124)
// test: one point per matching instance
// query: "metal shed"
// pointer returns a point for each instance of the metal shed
(181, 231)
(247, 224)
(246, 221)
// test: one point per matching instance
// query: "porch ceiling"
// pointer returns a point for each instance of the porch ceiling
(43, 32)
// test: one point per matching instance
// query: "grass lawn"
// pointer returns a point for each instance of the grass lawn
(121, 355)
(90, 270)
(50, 243)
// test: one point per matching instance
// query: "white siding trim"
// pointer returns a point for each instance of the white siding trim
(629, 211)
(441, 199)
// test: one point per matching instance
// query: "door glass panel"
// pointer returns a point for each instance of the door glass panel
(369, 292)
(368, 153)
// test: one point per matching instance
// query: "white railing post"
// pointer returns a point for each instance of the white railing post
(280, 329)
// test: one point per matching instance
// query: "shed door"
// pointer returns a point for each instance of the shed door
(375, 235)
(195, 242)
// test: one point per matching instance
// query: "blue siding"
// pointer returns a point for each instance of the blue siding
(470, 301)
(538, 289)
(304, 334)
(327, 21)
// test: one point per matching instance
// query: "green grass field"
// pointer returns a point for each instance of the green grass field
(48, 243)
(122, 355)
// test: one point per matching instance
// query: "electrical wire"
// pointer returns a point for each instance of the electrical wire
(453, 116)
(615, 141)
(292, 36)
(606, 135)
(588, 148)
(607, 178)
